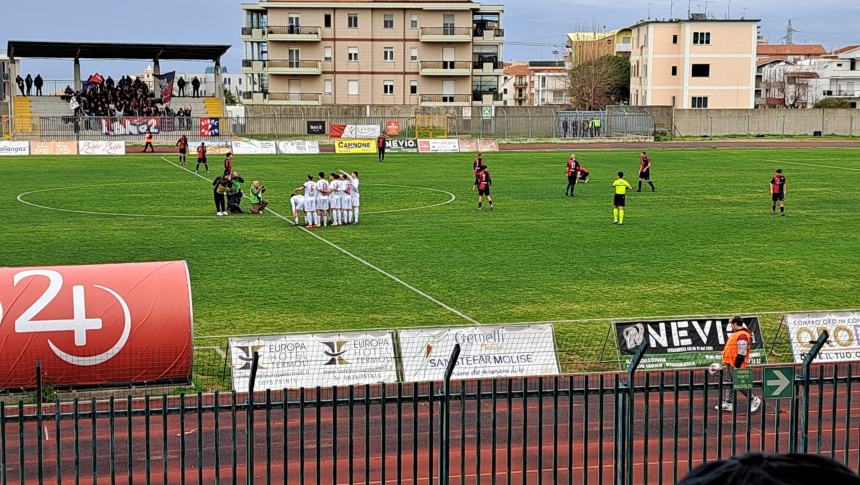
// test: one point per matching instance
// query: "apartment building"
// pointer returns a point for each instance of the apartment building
(695, 63)
(587, 46)
(803, 83)
(376, 52)
(536, 83)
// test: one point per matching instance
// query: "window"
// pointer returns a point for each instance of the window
(327, 86)
(352, 87)
(700, 102)
(675, 39)
(388, 21)
(352, 20)
(701, 38)
(388, 54)
(413, 22)
(352, 53)
(327, 21)
(413, 87)
(674, 70)
(701, 70)
(387, 87)
(413, 54)
(327, 53)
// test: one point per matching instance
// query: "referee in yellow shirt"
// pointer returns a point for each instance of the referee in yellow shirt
(621, 187)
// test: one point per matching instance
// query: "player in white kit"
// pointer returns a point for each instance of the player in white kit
(346, 200)
(334, 186)
(322, 199)
(310, 203)
(356, 196)
(298, 203)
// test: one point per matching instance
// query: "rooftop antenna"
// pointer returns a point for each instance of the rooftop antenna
(650, 4)
(689, 8)
(671, 9)
(729, 11)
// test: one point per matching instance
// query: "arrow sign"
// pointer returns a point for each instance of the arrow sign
(778, 382)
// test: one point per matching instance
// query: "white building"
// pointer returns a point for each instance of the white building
(803, 83)
(536, 83)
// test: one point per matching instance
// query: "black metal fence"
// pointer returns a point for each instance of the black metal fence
(558, 429)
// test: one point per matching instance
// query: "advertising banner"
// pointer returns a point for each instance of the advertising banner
(130, 126)
(488, 145)
(53, 148)
(392, 128)
(296, 361)
(403, 146)
(316, 127)
(101, 147)
(475, 145)
(485, 352)
(355, 146)
(468, 145)
(352, 132)
(14, 148)
(95, 325)
(298, 147)
(443, 145)
(844, 330)
(689, 342)
(212, 147)
(254, 147)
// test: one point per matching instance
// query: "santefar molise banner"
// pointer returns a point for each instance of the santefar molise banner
(296, 361)
(844, 330)
(485, 352)
(298, 147)
(437, 145)
(682, 343)
(254, 147)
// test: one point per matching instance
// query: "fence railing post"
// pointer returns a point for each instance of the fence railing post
(807, 362)
(445, 416)
(39, 425)
(249, 420)
(624, 419)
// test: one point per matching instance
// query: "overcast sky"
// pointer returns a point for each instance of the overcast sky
(533, 28)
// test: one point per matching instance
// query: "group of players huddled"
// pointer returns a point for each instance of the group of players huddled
(328, 201)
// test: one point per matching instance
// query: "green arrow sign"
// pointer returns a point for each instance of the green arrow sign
(743, 379)
(778, 382)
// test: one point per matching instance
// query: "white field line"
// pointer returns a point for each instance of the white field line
(852, 169)
(356, 258)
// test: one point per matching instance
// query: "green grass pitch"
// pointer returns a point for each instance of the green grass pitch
(704, 243)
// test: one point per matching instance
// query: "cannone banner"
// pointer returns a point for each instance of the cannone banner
(95, 325)
(355, 146)
(683, 343)
(296, 361)
(485, 352)
(843, 327)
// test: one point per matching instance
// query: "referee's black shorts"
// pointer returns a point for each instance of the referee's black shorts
(620, 200)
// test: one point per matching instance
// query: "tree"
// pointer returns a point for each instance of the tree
(596, 84)
(832, 103)
(229, 99)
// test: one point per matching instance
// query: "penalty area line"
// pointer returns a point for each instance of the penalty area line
(852, 169)
(356, 258)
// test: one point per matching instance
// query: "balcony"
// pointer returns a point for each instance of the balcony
(841, 93)
(299, 68)
(486, 98)
(253, 66)
(445, 68)
(294, 33)
(445, 100)
(251, 34)
(446, 34)
(487, 68)
(488, 35)
(626, 48)
(297, 99)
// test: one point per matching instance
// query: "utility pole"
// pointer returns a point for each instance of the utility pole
(789, 33)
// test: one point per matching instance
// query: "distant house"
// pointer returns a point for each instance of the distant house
(802, 83)
(536, 83)
(587, 46)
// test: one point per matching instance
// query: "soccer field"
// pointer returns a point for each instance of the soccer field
(704, 243)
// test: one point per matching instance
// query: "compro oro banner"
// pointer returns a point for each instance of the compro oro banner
(689, 342)
(95, 325)
(443, 145)
(254, 147)
(296, 361)
(844, 330)
(410, 146)
(485, 352)
(12, 148)
(355, 146)
(101, 148)
(298, 147)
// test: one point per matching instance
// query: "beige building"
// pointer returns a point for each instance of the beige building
(372, 52)
(697, 63)
(536, 83)
(588, 46)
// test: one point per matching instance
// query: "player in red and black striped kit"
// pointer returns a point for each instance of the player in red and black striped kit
(645, 172)
(572, 176)
(777, 192)
(483, 183)
(477, 164)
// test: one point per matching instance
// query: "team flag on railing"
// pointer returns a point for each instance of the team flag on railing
(164, 83)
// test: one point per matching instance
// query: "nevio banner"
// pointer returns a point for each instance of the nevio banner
(401, 146)
(486, 352)
(297, 361)
(844, 330)
(689, 342)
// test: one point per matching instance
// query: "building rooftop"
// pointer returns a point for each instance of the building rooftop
(693, 20)
(847, 48)
(791, 50)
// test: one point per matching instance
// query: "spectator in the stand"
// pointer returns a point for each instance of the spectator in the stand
(38, 82)
(181, 85)
(20, 82)
(564, 127)
(29, 82)
(109, 83)
(195, 87)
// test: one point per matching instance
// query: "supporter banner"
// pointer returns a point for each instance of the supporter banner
(485, 352)
(53, 148)
(212, 147)
(95, 325)
(254, 147)
(296, 361)
(410, 146)
(355, 146)
(355, 131)
(164, 84)
(316, 127)
(101, 147)
(392, 128)
(130, 126)
(844, 330)
(689, 342)
(12, 148)
(451, 145)
(210, 127)
(298, 147)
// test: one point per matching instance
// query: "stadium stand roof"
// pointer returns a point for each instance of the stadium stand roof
(107, 50)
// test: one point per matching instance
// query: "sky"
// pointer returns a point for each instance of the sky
(534, 29)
